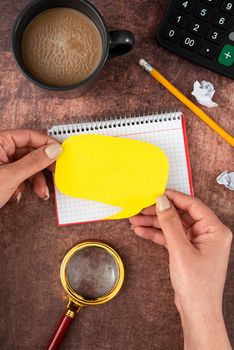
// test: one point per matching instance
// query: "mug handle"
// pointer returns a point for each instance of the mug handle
(121, 42)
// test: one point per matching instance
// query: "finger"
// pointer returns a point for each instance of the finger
(18, 193)
(5, 157)
(145, 220)
(149, 211)
(33, 162)
(27, 138)
(205, 227)
(196, 209)
(39, 185)
(171, 225)
(152, 234)
(51, 168)
(205, 221)
(21, 152)
(186, 219)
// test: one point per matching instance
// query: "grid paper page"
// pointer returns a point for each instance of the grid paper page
(162, 130)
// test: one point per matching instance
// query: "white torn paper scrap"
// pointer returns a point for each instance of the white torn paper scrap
(204, 92)
(226, 179)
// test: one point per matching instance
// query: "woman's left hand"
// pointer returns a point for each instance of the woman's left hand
(23, 154)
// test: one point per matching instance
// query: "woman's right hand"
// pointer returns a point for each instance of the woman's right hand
(199, 245)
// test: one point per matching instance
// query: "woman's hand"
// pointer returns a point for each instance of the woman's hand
(198, 244)
(23, 154)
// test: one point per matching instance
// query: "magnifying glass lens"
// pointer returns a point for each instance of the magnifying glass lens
(92, 272)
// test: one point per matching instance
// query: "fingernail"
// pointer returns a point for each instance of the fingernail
(47, 194)
(163, 203)
(52, 151)
(18, 197)
(132, 227)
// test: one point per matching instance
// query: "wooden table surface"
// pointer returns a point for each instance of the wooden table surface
(143, 316)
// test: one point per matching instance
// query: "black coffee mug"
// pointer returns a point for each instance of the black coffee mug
(114, 43)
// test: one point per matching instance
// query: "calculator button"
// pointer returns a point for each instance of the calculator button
(215, 36)
(231, 36)
(190, 42)
(196, 28)
(178, 19)
(208, 51)
(227, 6)
(222, 21)
(203, 13)
(226, 56)
(185, 6)
(211, 2)
(172, 34)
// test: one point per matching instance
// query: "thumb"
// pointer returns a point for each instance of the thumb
(171, 224)
(35, 161)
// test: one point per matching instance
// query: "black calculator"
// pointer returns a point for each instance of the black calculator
(201, 31)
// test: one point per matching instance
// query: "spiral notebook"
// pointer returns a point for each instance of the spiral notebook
(166, 130)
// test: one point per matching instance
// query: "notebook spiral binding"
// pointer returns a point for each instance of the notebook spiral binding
(113, 122)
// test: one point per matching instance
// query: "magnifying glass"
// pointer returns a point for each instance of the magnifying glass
(91, 273)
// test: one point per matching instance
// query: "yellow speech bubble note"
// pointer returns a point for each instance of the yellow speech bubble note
(112, 170)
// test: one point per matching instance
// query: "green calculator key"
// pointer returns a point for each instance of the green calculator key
(226, 56)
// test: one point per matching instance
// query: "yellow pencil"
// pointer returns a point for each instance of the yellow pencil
(194, 108)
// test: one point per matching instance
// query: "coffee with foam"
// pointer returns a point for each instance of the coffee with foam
(61, 46)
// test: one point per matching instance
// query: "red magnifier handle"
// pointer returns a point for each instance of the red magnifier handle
(60, 332)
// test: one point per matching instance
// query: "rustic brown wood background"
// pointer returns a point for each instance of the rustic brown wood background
(143, 316)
